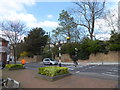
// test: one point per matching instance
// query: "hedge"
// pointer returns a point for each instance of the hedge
(14, 66)
(114, 47)
(53, 71)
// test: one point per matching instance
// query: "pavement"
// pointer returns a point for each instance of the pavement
(28, 79)
(92, 63)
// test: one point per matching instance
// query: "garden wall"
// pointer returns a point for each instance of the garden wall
(64, 58)
(112, 56)
(37, 58)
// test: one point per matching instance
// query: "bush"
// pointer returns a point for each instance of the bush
(14, 66)
(24, 54)
(114, 47)
(53, 71)
(46, 55)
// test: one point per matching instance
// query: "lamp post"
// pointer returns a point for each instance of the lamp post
(75, 61)
(59, 43)
(48, 33)
(76, 50)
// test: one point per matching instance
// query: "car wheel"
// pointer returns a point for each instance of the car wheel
(50, 63)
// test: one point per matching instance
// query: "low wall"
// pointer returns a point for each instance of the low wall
(64, 58)
(111, 56)
(34, 59)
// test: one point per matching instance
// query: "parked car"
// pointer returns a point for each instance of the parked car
(50, 61)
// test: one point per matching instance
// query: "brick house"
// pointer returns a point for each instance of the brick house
(3, 49)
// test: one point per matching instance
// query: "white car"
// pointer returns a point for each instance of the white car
(50, 61)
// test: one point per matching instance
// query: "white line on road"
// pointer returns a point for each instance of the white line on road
(70, 69)
(110, 75)
(108, 72)
(77, 71)
(114, 70)
(90, 67)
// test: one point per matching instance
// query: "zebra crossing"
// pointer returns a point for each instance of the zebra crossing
(109, 70)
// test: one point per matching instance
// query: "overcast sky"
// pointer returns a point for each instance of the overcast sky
(35, 13)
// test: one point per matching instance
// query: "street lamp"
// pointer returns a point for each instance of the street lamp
(59, 43)
(48, 33)
(76, 52)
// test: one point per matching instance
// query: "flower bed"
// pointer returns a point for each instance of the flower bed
(14, 66)
(53, 72)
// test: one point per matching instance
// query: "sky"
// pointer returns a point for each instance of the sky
(35, 13)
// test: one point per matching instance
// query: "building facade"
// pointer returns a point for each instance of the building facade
(4, 50)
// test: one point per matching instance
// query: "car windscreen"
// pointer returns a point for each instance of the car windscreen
(46, 59)
(52, 59)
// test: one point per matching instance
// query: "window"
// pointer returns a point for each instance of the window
(52, 59)
(46, 59)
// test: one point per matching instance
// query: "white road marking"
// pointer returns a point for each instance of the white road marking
(77, 71)
(91, 67)
(114, 70)
(70, 68)
(111, 75)
(108, 72)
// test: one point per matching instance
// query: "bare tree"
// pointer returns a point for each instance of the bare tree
(111, 19)
(119, 16)
(13, 30)
(88, 12)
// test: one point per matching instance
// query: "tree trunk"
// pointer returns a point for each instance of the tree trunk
(91, 36)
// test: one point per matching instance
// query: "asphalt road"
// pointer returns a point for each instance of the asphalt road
(99, 71)
(106, 71)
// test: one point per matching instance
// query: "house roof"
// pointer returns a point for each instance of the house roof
(2, 39)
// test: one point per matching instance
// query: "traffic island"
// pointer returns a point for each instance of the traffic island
(52, 73)
(44, 77)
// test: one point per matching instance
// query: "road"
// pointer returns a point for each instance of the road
(108, 71)
(105, 71)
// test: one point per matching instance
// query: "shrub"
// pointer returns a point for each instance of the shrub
(24, 54)
(53, 71)
(114, 47)
(14, 66)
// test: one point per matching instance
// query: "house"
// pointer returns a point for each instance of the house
(3, 49)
